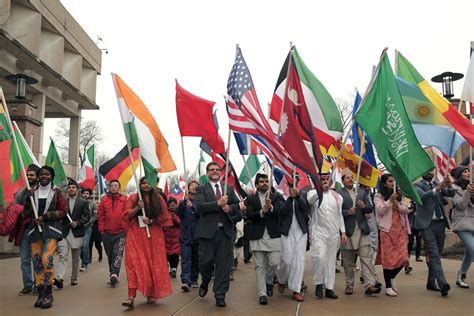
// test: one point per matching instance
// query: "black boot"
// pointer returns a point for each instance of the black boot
(48, 297)
(39, 301)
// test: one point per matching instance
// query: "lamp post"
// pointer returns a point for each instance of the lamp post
(21, 81)
(447, 78)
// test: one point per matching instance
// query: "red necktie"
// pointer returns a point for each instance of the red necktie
(218, 192)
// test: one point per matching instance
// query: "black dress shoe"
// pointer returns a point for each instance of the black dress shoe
(263, 300)
(59, 283)
(220, 302)
(269, 290)
(203, 290)
(445, 289)
(330, 294)
(319, 291)
(430, 287)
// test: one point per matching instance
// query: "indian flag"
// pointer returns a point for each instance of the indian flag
(86, 175)
(142, 131)
(324, 113)
(406, 71)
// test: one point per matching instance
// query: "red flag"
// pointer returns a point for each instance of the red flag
(293, 106)
(195, 118)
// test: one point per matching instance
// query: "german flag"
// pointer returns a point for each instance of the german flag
(119, 167)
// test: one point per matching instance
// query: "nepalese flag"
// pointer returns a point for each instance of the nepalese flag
(245, 114)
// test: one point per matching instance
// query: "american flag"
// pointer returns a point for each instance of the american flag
(246, 116)
(443, 163)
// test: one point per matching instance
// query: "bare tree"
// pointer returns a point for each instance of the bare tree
(90, 133)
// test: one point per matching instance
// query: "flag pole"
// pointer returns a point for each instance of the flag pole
(23, 170)
(137, 183)
(184, 166)
(248, 172)
(358, 167)
(226, 176)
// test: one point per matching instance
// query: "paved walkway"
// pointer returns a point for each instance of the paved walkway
(93, 297)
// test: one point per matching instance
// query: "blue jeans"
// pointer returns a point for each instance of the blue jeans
(85, 251)
(189, 263)
(467, 238)
(26, 261)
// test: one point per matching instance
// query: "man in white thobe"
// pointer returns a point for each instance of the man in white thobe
(327, 223)
(294, 231)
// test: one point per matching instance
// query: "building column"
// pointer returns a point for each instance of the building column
(73, 153)
(40, 101)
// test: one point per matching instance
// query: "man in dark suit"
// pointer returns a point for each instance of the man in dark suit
(431, 221)
(355, 211)
(263, 214)
(73, 232)
(218, 208)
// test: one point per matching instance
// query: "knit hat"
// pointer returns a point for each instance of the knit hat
(457, 172)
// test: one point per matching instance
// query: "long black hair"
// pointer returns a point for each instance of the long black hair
(386, 193)
(152, 205)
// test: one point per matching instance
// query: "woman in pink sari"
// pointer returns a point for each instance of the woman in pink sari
(145, 258)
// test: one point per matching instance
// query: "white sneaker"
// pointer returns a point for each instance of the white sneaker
(394, 285)
(390, 292)
(83, 269)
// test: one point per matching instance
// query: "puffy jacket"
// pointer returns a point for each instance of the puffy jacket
(189, 220)
(463, 212)
(172, 236)
(11, 222)
(109, 214)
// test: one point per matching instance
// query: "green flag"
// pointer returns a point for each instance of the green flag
(383, 117)
(52, 160)
(202, 170)
(250, 169)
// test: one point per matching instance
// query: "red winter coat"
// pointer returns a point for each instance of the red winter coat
(109, 214)
(12, 224)
(172, 236)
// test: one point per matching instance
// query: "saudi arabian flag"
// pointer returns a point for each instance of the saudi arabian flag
(383, 116)
(250, 169)
(52, 160)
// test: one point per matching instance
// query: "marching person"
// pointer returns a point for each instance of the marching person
(463, 218)
(109, 218)
(145, 258)
(86, 255)
(188, 239)
(294, 230)
(219, 209)
(393, 223)
(355, 210)
(20, 233)
(52, 208)
(73, 230)
(431, 221)
(327, 232)
(172, 238)
(264, 236)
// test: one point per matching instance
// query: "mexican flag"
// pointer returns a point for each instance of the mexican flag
(324, 113)
(383, 117)
(142, 131)
(86, 175)
(53, 160)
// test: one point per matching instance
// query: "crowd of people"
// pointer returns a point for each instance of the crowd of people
(201, 231)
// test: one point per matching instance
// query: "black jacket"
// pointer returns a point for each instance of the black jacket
(257, 223)
(210, 213)
(80, 214)
(301, 210)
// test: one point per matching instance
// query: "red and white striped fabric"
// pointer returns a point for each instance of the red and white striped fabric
(443, 163)
(246, 116)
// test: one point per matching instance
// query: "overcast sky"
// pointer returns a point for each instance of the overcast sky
(151, 43)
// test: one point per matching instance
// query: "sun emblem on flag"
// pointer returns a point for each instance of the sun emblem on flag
(283, 123)
(423, 111)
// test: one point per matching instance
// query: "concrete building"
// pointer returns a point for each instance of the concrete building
(43, 41)
(40, 39)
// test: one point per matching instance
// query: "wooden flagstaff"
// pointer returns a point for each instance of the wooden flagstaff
(137, 182)
(22, 164)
